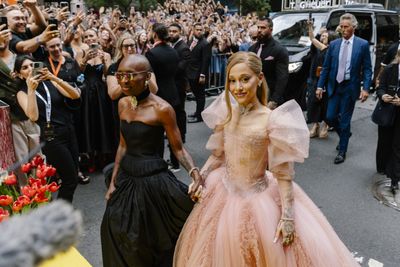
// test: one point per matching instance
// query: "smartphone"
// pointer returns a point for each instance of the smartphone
(54, 22)
(392, 90)
(94, 47)
(310, 18)
(123, 17)
(37, 66)
(64, 4)
(3, 20)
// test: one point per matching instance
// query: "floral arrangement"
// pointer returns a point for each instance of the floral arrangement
(16, 200)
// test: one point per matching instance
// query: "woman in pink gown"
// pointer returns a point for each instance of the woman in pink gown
(248, 216)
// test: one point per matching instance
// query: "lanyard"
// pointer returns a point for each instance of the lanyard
(46, 102)
(57, 70)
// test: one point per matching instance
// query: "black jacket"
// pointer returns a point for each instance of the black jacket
(183, 51)
(164, 61)
(275, 61)
(200, 58)
(389, 80)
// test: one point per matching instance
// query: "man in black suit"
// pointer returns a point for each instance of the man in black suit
(181, 81)
(275, 61)
(164, 62)
(198, 69)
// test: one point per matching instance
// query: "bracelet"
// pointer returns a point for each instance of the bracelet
(286, 219)
(192, 170)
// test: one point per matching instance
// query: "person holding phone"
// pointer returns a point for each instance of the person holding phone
(388, 137)
(28, 38)
(42, 98)
(25, 132)
(96, 116)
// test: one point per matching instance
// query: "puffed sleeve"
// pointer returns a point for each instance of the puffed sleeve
(214, 116)
(288, 139)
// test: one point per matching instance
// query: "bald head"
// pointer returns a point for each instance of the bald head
(134, 63)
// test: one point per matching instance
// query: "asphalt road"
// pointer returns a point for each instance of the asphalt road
(343, 192)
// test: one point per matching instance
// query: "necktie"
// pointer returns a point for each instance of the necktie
(193, 44)
(259, 50)
(342, 62)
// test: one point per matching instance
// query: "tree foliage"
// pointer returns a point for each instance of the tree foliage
(260, 6)
(124, 4)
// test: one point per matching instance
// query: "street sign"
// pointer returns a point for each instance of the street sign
(317, 4)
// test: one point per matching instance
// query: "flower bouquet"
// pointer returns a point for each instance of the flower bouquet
(16, 200)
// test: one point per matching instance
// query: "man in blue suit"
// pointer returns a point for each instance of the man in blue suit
(346, 62)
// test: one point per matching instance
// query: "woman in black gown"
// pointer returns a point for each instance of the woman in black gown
(147, 206)
(96, 111)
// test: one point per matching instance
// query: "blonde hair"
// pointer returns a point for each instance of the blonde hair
(255, 64)
(118, 51)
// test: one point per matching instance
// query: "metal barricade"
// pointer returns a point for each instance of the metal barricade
(216, 73)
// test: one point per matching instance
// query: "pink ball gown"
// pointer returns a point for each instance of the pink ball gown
(235, 223)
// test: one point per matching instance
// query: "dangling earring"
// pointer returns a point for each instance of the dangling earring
(146, 84)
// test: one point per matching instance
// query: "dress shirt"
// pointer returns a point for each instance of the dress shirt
(348, 61)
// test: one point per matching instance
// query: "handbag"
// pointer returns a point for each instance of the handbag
(384, 114)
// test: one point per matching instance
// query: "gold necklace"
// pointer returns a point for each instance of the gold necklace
(134, 102)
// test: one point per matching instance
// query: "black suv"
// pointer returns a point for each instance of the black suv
(378, 26)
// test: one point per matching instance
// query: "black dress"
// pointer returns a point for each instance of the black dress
(96, 114)
(149, 207)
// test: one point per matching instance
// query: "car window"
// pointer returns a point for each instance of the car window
(291, 29)
(387, 25)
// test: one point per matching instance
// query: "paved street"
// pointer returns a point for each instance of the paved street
(343, 193)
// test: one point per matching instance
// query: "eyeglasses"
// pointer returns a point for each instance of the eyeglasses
(127, 75)
(126, 46)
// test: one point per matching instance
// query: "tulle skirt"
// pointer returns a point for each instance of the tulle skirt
(144, 216)
(230, 229)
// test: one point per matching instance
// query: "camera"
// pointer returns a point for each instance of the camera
(123, 17)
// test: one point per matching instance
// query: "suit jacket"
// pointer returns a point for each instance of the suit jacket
(275, 61)
(360, 65)
(164, 61)
(181, 79)
(200, 58)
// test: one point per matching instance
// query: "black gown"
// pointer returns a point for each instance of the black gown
(97, 125)
(149, 207)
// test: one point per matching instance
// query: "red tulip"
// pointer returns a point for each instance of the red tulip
(40, 198)
(24, 200)
(28, 191)
(37, 161)
(51, 171)
(11, 179)
(40, 173)
(5, 200)
(17, 206)
(41, 189)
(4, 214)
(53, 187)
(31, 180)
(26, 167)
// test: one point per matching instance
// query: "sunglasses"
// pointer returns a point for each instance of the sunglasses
(126, 46)
(127, 75)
